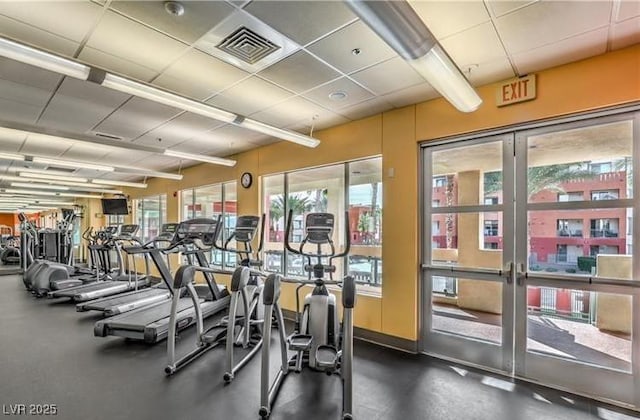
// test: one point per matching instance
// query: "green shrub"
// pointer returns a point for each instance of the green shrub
(570, 270)
(586, 263)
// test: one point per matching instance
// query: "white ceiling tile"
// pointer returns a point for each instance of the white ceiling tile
(55, 16)
(19, 112)
(299, 72)
(25, 33)
(302, 21)
(44, 146)
(474, 46)
(126, 157)
(86, 152)
(544, 23)
(337, 48)
(157, 162)
(29, 95)
(354, 93)
(502, 7)
(135, 118)
(25, 74)
(628, 9)
(625, 33)
(366, 108)
(289, 112)
(323, 119)
(489, 72)
(78, 106)
(178, 130)
(389, 76)
(411, 95)
(199, 75)
(444, 18)
(234, 134)
(249, 96)
(116, 64)
(566, 51)
(124, 38)
(11, 142)
(198, 17)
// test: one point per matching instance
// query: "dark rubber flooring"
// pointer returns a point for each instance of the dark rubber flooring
(48, 355)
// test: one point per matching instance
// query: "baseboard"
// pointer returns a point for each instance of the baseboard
(374, 337)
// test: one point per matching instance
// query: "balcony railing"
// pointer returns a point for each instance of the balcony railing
(560, 303)
(570, 233)
(603, 233)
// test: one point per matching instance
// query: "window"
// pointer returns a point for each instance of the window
(355, 187)
(115, 219)
(490, 228)
(447, 286)
(604, 228)
(594, 250)
(435, 203)
(490, 200)
(212, 201)
(439, 181)
(151, 213)
(435, 227)
(600, 168)
(629, 225)
(571, 196)
(605, 195)
(562, 253)
(569, 227)
(491, 245)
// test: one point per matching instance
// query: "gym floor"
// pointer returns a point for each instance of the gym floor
(48, 355)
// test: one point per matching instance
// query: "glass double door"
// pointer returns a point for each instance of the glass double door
(529, 263)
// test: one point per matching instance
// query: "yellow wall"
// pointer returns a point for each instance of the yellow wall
(603, 81)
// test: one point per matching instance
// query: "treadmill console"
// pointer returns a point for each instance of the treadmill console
(168, 232)
(246, 227)
(202, 229)
(319, 227)
(128, 230)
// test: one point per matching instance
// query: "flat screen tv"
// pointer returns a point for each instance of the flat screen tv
(115, 206)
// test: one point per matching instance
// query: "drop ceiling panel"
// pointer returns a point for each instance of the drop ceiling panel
(156, 162)
(392, 75)
(625, 33)
(44, 146)
(627, 10)
(299, 72)
(411, 95)
(338, 47)
(543, 23)
(116, 64)
(199, 75)
(55, 16)
(19, 112)
(126, 157)
(289, 112)
(124, 38)
(25, 33)
(566, 51)
(11, 142)
(302, 21)
(86, 152)
(29, 95)
(477, 45)
(366, 108)
(234, 134)
(489, 72)
(25, 74)
(198, 17)
(445, 18)
(250, 95)
(135, 118)
(79, 106)
(178, 130)
(354, 94)
(502, 7)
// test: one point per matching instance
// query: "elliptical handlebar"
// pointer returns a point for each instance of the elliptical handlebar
(304, 254)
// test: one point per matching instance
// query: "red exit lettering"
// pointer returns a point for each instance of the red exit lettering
(517, 90)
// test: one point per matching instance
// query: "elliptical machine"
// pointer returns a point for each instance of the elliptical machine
(241, 327)
(318, 340)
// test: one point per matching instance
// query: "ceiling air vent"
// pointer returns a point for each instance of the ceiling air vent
(107, 136)
(60, 169)
(247, 45)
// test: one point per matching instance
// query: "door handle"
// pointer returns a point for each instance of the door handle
(508, 272)
(521, 274)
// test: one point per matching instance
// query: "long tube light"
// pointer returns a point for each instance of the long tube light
(281, 133)
(42, 59)
(41, 186)
(46, 172)
(73, 164)
(402, 29)
(119, 183)
(52, 177)
(202, 158)
(149, 173)
(50, 193)
(11, 156)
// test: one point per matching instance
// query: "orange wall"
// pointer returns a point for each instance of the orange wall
(8, 219)
(603, 81)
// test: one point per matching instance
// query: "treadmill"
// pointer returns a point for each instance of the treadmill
(124, 302)
(124, 281)
(151, 323)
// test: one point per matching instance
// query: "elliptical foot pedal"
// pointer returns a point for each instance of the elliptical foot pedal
(326, 357)
(214, 334)
(300, 342)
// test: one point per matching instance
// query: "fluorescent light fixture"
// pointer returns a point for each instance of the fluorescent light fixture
(51, 193)
(52, 177)
(200, 158)
(155, 94)
(147, 173)
(73, 164)
(119, 183)
(280, 133)
(11, 156)
(80, 195)
(402, 29)
(44, 60)
(41, 186)
(43, 172)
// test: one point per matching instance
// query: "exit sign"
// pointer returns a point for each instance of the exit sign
(516, 90)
